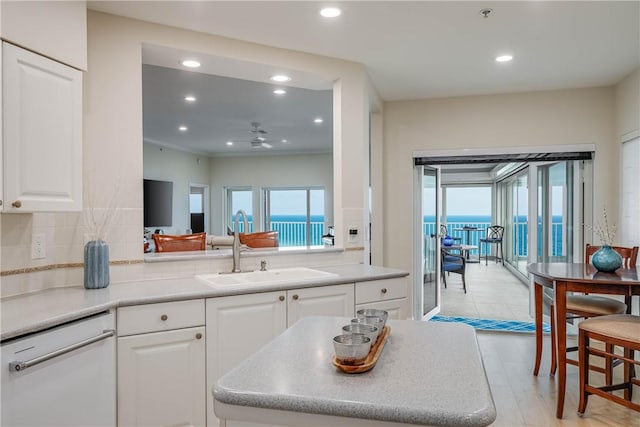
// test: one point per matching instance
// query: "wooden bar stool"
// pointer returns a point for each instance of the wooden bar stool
(622, 330)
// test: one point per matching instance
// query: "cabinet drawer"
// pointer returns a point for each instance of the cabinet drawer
(381, 290)
(141, 319)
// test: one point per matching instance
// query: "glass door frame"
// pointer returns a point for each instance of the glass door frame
(419, 246)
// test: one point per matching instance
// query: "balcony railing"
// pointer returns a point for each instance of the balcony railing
(295, 233)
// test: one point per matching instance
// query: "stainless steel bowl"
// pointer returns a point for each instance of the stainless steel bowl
(373, 312)
(351, 349)
(362, 328)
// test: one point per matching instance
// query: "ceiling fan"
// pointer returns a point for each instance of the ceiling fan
(258, 139)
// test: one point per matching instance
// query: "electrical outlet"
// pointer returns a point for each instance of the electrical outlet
(38, 246)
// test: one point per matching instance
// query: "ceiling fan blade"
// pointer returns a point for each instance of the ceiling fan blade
(267, 145)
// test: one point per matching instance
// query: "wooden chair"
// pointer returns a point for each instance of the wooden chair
(587, 306)
(452, 264)
(260, 239)
(493, 237)
(621, 330)
(187, 242)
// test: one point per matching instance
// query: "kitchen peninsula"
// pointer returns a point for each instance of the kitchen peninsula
(428, 374)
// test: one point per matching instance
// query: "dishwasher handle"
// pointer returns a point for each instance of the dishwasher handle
(21, 366)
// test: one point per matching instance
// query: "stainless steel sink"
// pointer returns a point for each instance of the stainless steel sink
(280, 275)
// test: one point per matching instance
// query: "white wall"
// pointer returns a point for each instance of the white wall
(584, 116)
(182, 169)
(628, 106)
(312, 170)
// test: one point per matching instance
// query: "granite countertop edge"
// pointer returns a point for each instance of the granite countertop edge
(482, 417)
(75, 302)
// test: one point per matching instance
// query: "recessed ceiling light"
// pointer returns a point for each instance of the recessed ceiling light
(330, 12)
(183, 128)
(504, 58)
(279, 91)
(190, 98)
(229, 142)
(191, 63)
(280, 78)
(317, 120)
(284, 141)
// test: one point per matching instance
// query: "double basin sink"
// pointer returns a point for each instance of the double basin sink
(269, 277)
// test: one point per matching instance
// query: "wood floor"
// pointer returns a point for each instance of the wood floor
(522, 399)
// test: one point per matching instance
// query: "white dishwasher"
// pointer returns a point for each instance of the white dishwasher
(64, 376)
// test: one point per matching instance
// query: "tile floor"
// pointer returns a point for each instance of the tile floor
(492, 292)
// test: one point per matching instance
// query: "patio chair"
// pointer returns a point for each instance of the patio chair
(445, 232)
(452, 264)
(586, 306)
(494, 237)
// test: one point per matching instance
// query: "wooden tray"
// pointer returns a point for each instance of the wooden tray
(371, 359)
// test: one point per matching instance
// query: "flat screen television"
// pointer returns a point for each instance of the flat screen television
(158, 203)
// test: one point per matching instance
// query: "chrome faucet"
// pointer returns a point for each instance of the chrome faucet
(236, 240)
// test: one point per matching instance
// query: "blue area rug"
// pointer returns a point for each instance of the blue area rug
(494, 325)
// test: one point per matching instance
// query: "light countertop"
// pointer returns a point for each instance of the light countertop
(40, 310)
(428, 374)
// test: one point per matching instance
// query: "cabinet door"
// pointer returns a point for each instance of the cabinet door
(337, 300)
(238, 326)
(161, 379)
(42, 133)
(397, 308)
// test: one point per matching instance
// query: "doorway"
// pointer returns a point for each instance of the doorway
(537, 201)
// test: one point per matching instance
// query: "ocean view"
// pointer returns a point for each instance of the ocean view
(292, 230)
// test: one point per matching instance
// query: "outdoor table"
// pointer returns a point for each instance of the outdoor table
(467, 230)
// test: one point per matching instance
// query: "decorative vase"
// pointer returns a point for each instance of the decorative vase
(447, 241)
(96, 264)
(606, 259)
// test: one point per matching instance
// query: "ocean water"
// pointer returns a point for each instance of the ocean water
(292, 230)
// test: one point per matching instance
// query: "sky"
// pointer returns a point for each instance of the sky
(283, 202)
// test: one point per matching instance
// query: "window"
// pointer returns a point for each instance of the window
(630, 227)
(296, 213)
(239, 198)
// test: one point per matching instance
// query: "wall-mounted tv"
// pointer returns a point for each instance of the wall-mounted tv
(158, 203)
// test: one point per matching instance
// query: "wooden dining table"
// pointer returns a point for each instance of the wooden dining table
(564, 278)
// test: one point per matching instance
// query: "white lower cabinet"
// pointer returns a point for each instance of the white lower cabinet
(386, 294)
(240, 325)
(162, 365)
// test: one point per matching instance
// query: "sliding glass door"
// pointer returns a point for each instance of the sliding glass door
(428, 290)
(515, 196)
(557, 199)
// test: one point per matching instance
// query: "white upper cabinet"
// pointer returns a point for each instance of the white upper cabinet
(55, 29)
(42, 133)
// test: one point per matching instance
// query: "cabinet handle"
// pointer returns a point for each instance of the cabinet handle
(164, 317)
(383, 290)
(281, 297)
(198, 336)
(295, 297)
(17, 204)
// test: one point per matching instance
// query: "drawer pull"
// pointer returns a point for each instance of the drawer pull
(198, 336)
(281, 297)
(383, 290)
(295, 297)
(164, 317)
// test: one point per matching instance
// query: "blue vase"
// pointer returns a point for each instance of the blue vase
(606, 259)
(447, 241)
(96, 264)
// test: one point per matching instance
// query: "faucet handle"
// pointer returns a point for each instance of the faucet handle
(263, 265)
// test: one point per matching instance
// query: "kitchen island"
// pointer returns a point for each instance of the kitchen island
(428, 374)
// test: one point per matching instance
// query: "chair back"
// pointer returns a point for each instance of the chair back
(629, 255)
(495, 232)
(187, 242)
(443, 230)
